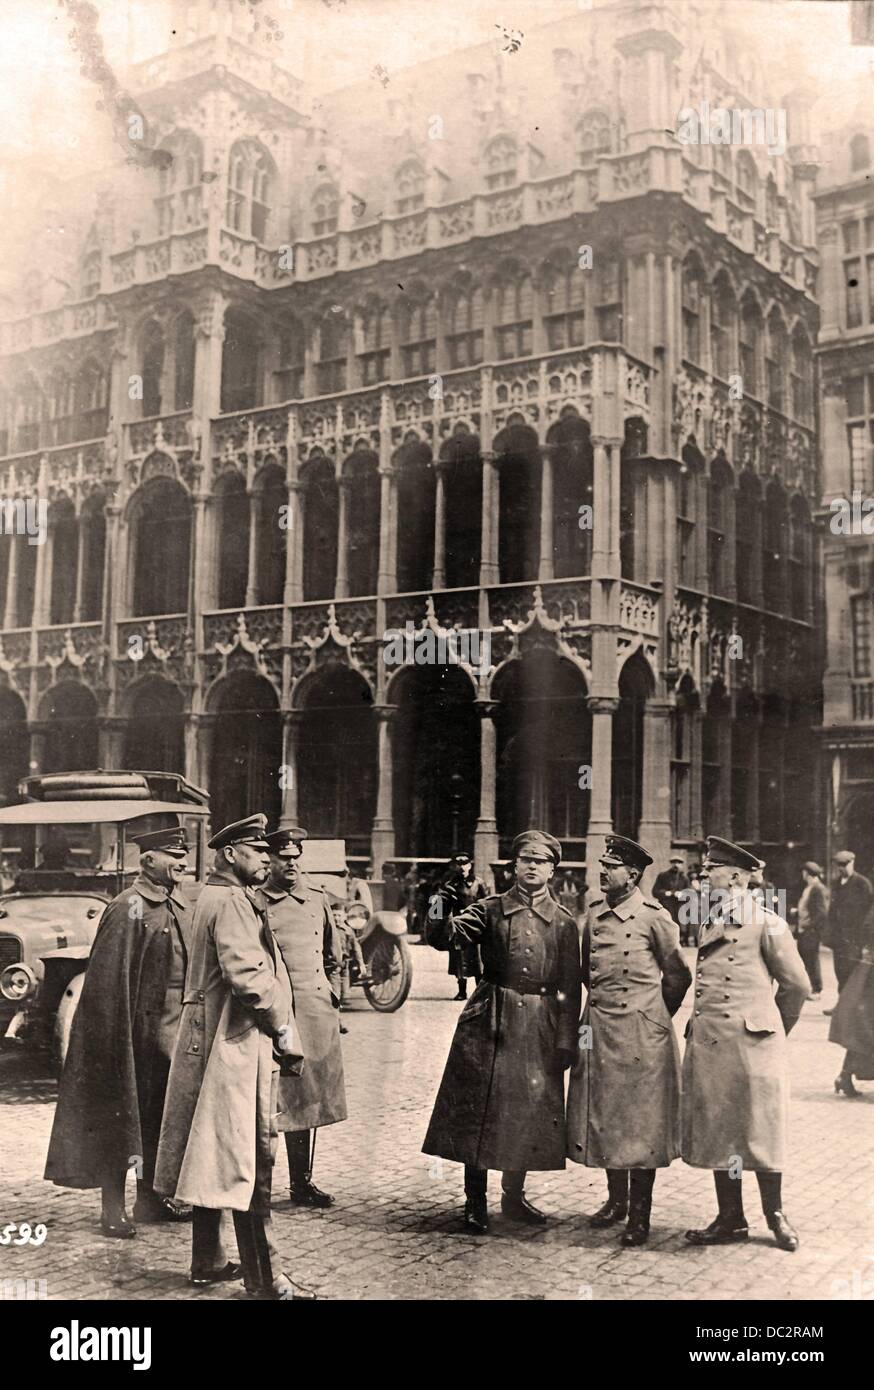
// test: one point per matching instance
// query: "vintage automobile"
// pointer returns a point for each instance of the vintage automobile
(75, 829)
(386, 954)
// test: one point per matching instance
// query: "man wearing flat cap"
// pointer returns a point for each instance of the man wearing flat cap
(300, 919)
(669, 889)
(851, 901)
(735, 1084)
(218, 1133)
(501, 1100)
(811, 917)
(111, 1095)
(624, 1096)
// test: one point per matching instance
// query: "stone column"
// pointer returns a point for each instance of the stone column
(488, 570)
(485, 839)
(341, 588)
(601, 509)
(546, 568)
(438, 580)
(655, 831)
(10, 614)
(293, 592)
(291, 722)
(252, 575)
(601, 805)
(387, 577)
(382, 844)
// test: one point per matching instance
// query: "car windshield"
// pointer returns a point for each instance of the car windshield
(48, 909)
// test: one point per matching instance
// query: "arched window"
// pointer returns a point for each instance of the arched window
(361, 480)
(462, 477)
(722, 165)
(152, 357)
(774, 548)
(720, 496)
(409, 187)
(91, 403)
(251, 173)
(62, 408)
(631, 499)
(688, 486)
(416, 500)
(179, 204)
(747, 180)
(326, 210)
(418, 336)
(776, 356)
(160, 519)
(271, 495)
(860, 153)
(800, 558)
(374, 343)
(801, 375)
(320, 511)
(723, 324)
(89, 275)
(750, 333)
(519, 504)
(635, 683)
(572, 483)
(30, 415)
(289, 378)
(746, 531)
(464, 339)
(64, 534)
(565, 307)
(609, 290)
(501, 160)
(593, 136)
(92, 545)
(514, 316)
(683, 760)
(241, 364)
(183, 361)
(331, 365)
(233, 540)
(692, 292)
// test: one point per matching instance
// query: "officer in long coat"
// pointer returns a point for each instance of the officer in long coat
(219, 1128)
(735, 1085)
(300, 919)
(111, 1097)
(501, 1100)
(624, 1097)
(459, 889)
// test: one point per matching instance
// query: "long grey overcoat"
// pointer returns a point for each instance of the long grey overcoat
(219, 1116)
(501, 1100)
(624, 1095)
(735, 1081)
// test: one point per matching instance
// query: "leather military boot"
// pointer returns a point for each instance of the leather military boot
(304, 1193)
(476, 1215)
(785, 1235)
(612, 1211)
(514, 1205)
(719, 1232)
(637, 1230)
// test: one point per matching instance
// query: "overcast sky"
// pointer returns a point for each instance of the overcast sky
(46, 106)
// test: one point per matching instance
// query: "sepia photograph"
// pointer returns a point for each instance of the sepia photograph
(437, 661)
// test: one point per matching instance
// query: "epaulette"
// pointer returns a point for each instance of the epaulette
(648, 902)
(596, 902)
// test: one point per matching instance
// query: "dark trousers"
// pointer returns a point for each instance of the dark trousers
(808, 949)
(729, 1195)
(297, 1146)
(476, 1181)
(258, 1255)
(844, 962)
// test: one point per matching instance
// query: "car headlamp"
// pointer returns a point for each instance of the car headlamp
(17, 983)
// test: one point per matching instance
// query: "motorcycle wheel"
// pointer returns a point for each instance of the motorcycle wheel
(391, 973)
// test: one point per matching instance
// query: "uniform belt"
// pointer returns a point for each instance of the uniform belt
(524, 986)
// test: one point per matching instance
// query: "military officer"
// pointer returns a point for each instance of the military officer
(300, 918)
(624, 1096)
(217, 1145)
(735, 1087)
(501, 1100)
(112, 1089)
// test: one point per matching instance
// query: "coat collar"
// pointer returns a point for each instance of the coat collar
(154, 893)
(543, 905)
(627, 908)
(219, 879)
(275, 895)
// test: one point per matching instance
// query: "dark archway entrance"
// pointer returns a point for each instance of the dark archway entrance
(154, 739)
(71, 742)
(436, 762)
(337, 759)
(246, 749)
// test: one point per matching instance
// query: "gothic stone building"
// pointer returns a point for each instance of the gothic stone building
(386, 353)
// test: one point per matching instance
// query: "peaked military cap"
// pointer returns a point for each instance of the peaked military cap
(251, 831)
(720, 851)
(537, 839)
(811, 867)
(287, 842)
(843, 856)
(620, 850)
(172, 840)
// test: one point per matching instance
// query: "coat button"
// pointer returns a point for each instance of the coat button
(166, 931)
(528, 950)
(200, 994)
(521, 1003)
(697, 1013)
(731, 958)
(628, 934)
(726, 997)
(625, 953)
(726, 1015)
(623, 1005)
(625, 969)
(195, 1047)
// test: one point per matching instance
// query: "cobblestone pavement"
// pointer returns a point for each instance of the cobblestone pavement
(396, 1231)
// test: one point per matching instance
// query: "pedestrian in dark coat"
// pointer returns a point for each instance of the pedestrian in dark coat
(851, 900)
(303, 928)
(501, 1100)
(111, 1097)
(669, 889)
(735, 1085)
(811, 918)
(220, 1117)
(852, 1024)
(623, 1109)
(459, 890)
